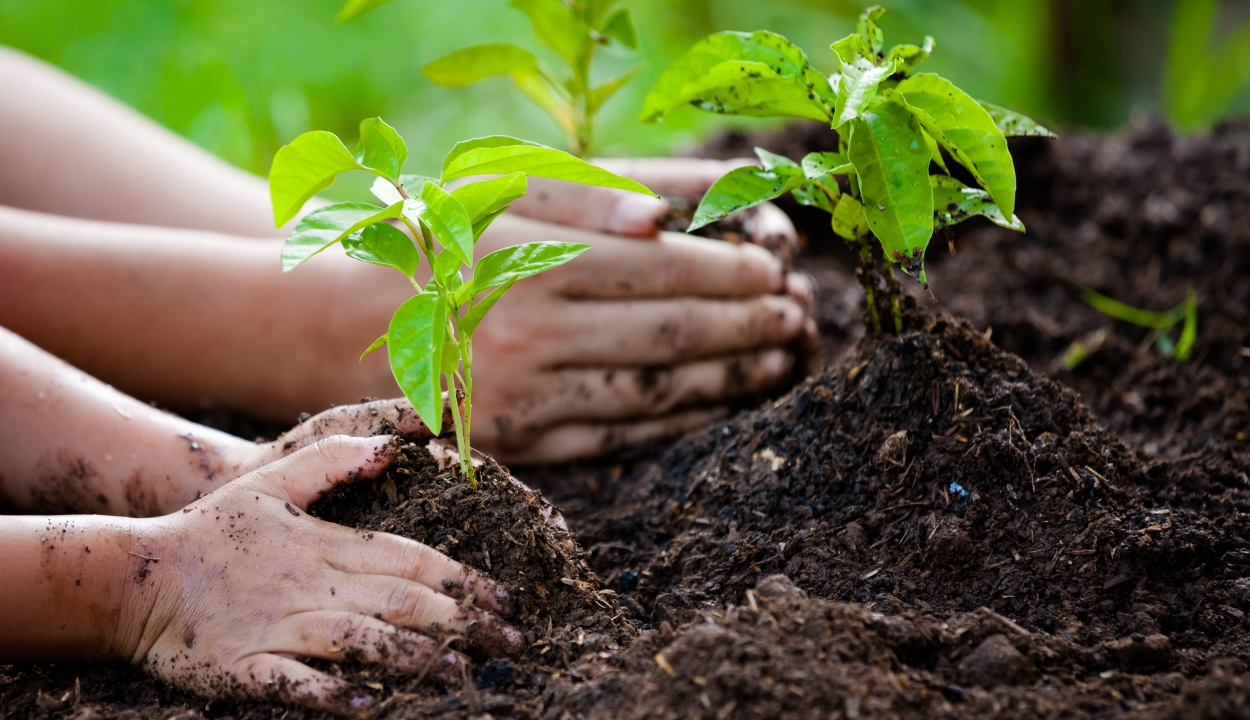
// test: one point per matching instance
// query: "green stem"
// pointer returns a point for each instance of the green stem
(895, 291)
(864, 273)
(462, 444)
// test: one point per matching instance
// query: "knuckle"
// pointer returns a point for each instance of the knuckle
(337, 449)
(406, 605)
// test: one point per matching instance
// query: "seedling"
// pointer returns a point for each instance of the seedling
(574, 29)
(1161, 323)
(889, 178)
(430, 338)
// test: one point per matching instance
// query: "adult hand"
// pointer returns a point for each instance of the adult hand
(243, 582)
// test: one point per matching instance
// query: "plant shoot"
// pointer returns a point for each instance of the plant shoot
(1161, 323)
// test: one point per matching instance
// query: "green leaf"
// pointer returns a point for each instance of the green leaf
(1013, 124)
(380, 149)
(467, 66)
(868, 30)
(373, 346)
(548, 95)
(383, 244)
(934, 149)
(451, 357)
(819, 164)
(356, 8)
(783, 58)
(954, 202)
(892, 162)
(601, 94)
(742, 188)
(325, 226)
(521, 261)
(620, 27)
(488, 196)
(475, 315)
(856, 89)
(538, 161)
(446, 265)
(415, 346)
(490, 141)
(385, 190)
(1128, 313)
(558, 27)
(744, 87)
(1189, 331)
(849, 220)
(772, 160)
(813, 196)
(973, 137)
(907, 57)
(480, 225)
(448, 221)
(852, 47)
(304, 168)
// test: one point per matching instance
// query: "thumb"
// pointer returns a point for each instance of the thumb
(301, 477)
(592, 208)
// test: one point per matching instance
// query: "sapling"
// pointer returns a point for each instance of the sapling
(574, 29)
(1160, 323)
(889, 177)
(430, 338)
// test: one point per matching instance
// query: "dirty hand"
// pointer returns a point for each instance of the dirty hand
(243, 582)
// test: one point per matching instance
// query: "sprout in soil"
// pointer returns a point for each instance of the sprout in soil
(574, 29)
(430, 337)
(1160, 323)
(893, 125)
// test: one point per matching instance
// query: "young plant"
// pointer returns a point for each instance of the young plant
(1160, 323)
(889, 177)
(430, 338)
(574, 29)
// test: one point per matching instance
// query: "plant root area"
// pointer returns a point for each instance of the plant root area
(946, 523)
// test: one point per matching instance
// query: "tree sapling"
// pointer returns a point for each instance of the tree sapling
(1160, 323)
(893, 125)
(430, 337)
(574, 29)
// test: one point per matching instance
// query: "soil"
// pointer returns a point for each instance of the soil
(940, 524)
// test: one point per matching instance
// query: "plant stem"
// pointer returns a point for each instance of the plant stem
(895, 291)
(864, 273)
(462, 444)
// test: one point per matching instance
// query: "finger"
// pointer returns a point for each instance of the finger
(593, 208)
(578, 441)
(385, 554)
(362, 420)
(279, 679)
(770, 228)
(681, 177)
(664, 332)
(302, 476)
(801, 288)
(412, 605)
(675, 265)
(631, 393)
(339, 636)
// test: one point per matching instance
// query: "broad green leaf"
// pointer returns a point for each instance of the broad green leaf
(488, 196)
(356, 8)
(934, 149)
(620, 27)
(1189, 331)
(325, 226)
(868, 30)
(892, 162)
(474, 316)
(451, 357)
(907, 57)
(954, 202)
(970, 130)
(856, 89)
(819, 164)
(448, 222)
(413, 183)
(772, 160)
(415, 346)
(480, 225)
(380, 148)
(604, 92)
(383, 244)
(742, 188)
(521, 261)
(558, 27)
(853, 47)
(813, 196)
(385, 191)
(849, 220)
(783, 57)
(445, 266)
(372, 346)
(744, 87)
(1013, 124)
(304, 168)
(490, 141)
(538, 161)
(467, 66)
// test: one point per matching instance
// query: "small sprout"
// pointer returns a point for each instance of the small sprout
(430, 338)
(889, 178)
(1160, 323)
(575, 30)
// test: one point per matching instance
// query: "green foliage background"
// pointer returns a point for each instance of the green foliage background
(242, 77)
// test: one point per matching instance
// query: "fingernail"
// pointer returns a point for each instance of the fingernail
(503, 601)
(448, 670)
(792, 320)
(360, 701)
(636, 214)
(379, 441)
(774, 362)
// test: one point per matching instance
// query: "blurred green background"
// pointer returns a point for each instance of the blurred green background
(241, 77)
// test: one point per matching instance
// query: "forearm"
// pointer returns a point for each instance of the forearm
(74, 586)
(181, 317)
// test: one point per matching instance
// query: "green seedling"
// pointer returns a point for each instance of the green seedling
(430, 338)
(889, 177)
(574, 29)
(1161, 323)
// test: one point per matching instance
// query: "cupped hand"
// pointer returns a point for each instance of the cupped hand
(246, 583)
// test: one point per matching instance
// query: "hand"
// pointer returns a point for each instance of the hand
(243, 581)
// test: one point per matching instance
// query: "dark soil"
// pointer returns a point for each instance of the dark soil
(959, 531)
